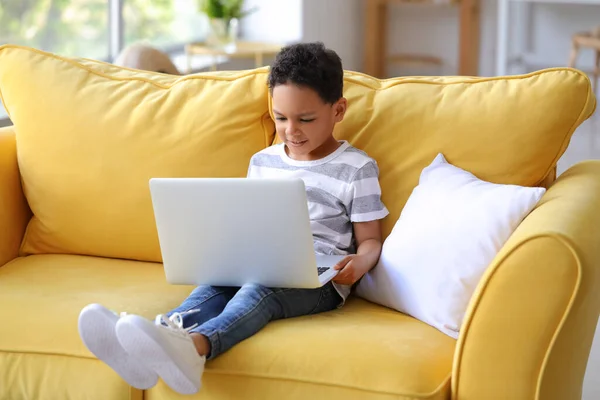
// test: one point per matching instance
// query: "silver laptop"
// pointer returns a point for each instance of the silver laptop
(233, 231)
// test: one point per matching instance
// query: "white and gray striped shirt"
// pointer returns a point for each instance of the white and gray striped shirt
(341, 188)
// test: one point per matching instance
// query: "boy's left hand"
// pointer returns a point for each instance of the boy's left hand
(352, 268)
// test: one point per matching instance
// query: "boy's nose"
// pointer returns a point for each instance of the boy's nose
(291, 129)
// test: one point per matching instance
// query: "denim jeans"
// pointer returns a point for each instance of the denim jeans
(227, 315)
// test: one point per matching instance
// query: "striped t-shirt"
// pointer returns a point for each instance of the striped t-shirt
(341, 188)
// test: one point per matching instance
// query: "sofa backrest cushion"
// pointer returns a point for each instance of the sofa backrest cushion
(90, 135)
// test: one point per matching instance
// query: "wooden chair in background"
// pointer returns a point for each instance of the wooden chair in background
(590, 40)
(376, 57)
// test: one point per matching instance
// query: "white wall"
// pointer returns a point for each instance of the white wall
(275, 21)
(337, 23)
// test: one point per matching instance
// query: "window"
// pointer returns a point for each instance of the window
(80, 28)
(88, 28)
(164, 23)
(72, 28)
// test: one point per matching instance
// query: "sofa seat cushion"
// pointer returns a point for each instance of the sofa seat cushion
(357, 351)
(41, 354)
(90, 135)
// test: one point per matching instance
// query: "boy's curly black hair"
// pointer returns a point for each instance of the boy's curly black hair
(310, 65)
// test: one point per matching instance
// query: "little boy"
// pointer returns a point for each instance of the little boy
(345, 208)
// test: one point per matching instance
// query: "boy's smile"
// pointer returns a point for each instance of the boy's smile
(304, 122)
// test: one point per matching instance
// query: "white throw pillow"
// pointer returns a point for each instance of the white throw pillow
(451, 228)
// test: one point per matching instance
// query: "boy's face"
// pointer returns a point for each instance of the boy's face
(304, 122)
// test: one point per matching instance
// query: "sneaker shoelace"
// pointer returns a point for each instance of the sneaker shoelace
(175, 322)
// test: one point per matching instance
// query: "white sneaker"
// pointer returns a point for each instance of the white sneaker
(97, 330)
(168, 349)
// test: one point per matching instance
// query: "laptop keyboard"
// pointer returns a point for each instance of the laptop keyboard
(321, 270)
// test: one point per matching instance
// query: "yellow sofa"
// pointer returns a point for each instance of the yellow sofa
(76, 227)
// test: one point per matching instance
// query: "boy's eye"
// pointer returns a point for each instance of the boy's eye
(302, 120)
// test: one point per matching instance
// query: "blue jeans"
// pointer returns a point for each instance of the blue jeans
(228, 315)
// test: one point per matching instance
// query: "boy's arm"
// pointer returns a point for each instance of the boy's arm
(368, 240)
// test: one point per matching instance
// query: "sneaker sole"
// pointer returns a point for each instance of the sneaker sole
(139, 337)
(97, 330)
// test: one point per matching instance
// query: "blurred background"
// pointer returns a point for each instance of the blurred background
(381, 37)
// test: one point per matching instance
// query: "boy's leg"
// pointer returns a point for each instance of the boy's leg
(253, 306)
(203, 303)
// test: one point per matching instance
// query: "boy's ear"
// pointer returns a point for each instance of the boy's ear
(340, 109)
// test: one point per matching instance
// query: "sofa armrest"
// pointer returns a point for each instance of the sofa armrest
(14, 212)
(529, 328)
